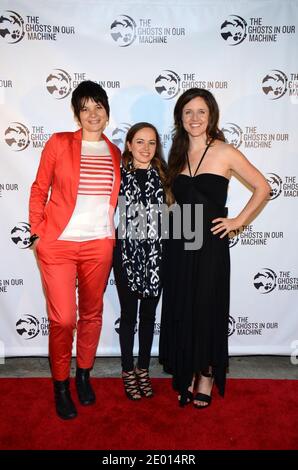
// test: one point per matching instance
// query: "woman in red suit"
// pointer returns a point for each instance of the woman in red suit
(71, 207)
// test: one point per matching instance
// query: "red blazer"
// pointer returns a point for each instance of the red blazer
(59, 169)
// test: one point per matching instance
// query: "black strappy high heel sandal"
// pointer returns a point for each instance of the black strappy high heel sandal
(144, 382)
(185, 398)
(131, 386)
(203, 396)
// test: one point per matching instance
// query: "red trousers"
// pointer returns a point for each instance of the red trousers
(65, 265)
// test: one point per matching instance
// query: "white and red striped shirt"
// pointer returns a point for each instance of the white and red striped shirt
(90, 218)
(96, 175)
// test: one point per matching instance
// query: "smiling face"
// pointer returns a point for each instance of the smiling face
(143, 147)
(93, 119)
(195, 117)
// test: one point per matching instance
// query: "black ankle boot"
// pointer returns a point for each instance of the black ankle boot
(85, 392)
(65, 407)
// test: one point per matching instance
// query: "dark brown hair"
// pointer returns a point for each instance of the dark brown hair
(158, 162)
(88, 90)
(180, 144)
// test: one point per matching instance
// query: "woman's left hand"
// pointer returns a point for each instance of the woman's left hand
(224, 225)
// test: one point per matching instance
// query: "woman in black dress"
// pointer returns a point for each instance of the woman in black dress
(138, 252)
(195, 311)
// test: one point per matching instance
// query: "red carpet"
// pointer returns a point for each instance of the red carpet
(255, 414)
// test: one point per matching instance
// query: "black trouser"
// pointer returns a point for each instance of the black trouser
(129, 303)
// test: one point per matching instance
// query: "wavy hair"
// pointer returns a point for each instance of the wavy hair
(180, 144)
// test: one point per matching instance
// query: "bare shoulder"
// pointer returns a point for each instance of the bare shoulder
(220, 146)
(224, 151)
(229, 152)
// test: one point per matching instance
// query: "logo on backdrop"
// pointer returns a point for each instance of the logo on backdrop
(27, 326)
(119, 134)
(20, 235)
(286, 188)
(117, 326)
(231, 326)
(275, 182)
(5, 284)
(247, 236)
(17, 136)
(8, 187)
(44, 326)
(4, 84)
(274, 84)
(242, 326)
(168, 83)
(265, 281)
(125, 30)
(233, 238)
(235, 29)
(59, 84)
(166, 139)
(13, 28)
(233, 134)
(251, 136)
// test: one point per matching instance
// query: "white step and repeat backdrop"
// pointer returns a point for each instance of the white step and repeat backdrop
(145, 53)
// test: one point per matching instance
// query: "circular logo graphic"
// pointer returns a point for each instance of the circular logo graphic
(167, 84)
(123, 30)
(275, 84)
(17, 136)
(233, 30)
(275, 182)
(20, 235)
(231, 326)
(117, 326)
(59, 84)
(11, 27)
(233, 134)
(119, 134)
(265, 281)
(233, 238)
(27, 326)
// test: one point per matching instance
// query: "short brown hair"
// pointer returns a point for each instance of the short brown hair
(89, 90)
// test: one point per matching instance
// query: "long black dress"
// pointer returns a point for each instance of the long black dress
(195, 307)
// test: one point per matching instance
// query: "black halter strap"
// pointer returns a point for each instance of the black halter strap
(199, 164)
